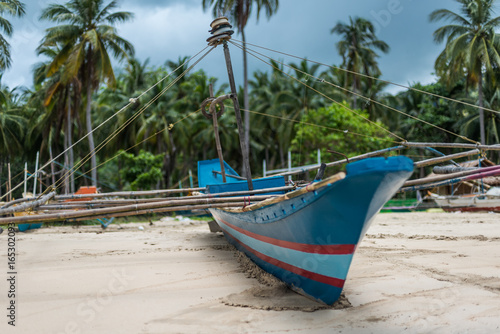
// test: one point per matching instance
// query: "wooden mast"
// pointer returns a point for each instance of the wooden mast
(234, 93)
(221, 33)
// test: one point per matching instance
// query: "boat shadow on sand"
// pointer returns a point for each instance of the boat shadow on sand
(272, 294)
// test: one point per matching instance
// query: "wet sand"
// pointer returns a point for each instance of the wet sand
(413, 273)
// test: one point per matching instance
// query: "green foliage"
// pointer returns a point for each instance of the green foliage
(472, 47)
(338, 129)
(357, 48)
(84, 38)
(12, 8)
(240, 10)
(110, 176)
(471, 41)
(12, 122)
(278, 100)
(439, 112)
(173, 136)
(142, 171)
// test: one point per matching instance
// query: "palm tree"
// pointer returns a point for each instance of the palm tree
(12, 122)
(472, 46)
(136, 76)
(357, 50)
(276, 95)
(131, 81)
(469, 122)
(85, 37)
(58, 99)
(13, 8)
(239, 11)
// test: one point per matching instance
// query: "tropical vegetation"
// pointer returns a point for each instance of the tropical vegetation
(156, 138)
(358, 50)
(10, 8)
(82, 42)
(472, 47)
(239, 12)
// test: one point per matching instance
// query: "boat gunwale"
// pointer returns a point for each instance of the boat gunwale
(293, 194)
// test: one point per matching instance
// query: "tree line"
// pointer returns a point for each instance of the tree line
(77, 89)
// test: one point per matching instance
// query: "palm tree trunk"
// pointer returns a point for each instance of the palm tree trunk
(169, 159)
(245, 99)
(71, 157)
(1, 167)
(481, 110)
(355, 97)
(282, 157)
(93, 163)
(66, 164)
(160, 150)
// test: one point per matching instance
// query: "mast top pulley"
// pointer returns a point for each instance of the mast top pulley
(221, 31)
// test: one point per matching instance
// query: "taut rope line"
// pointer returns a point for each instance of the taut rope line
(325, 96)
(132, 100)
(365, 98)
(345, 132)
(133, 118)
(373, 78)
(139, 143)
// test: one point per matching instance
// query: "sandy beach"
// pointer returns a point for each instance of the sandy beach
(413, 273)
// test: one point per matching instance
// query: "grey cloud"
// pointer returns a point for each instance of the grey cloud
(300, 27)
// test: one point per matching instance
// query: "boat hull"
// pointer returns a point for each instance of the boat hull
(308, 241)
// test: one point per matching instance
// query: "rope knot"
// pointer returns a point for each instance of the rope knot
(245, 201)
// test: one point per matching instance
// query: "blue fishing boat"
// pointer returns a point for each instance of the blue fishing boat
(307, 237)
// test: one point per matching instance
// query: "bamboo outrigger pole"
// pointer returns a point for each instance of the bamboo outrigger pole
(27, 206)
(151, 193)
(454, 145)
(443, 177)
(472, 177)
(344, 161)
(143, 207)
(167, 202)
(437, 160)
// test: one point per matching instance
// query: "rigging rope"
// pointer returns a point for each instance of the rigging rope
(168, 75)
(373, 78)
(13, 177)
(131, 101)
(366, 98)
(142, 141)
(135, 116)
(345, 132)
(325, 96)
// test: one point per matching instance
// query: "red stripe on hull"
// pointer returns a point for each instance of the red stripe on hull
(307, 248)
(336, 282)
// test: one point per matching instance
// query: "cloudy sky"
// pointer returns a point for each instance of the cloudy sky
(168, 29)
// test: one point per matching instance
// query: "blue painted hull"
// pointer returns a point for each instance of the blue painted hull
(25, 227)
(308, 241)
